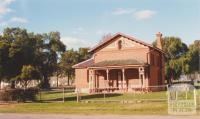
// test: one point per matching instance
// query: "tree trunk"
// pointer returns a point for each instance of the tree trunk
(0, 84)
(13, 84)
(169, 81)
(68, 76)
(25, 85)
(57, 79)
(45, 82)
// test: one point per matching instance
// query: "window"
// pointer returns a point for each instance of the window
(120, 45)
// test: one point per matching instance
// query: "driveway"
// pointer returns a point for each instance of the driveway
(54, 116)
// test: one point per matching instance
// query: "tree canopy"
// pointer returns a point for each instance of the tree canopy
(70, 58)
(180, 59)
(22, 51)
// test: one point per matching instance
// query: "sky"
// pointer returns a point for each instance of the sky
(82, 23)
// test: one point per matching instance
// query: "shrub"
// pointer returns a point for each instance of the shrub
(19, 95)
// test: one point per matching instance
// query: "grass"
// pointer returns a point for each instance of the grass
(69, 96)
(51, 102)
(86, 108)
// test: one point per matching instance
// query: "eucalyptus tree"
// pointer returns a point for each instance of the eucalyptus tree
(4, 59)
(28, 74)
(52, 47)
(83, 54)
(176, 61)
(194, 54)
(20, 52)
(68, 59)
(18, 48)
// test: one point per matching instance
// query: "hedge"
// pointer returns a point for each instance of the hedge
(19, 95)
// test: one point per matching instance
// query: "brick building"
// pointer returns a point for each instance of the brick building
(121, 63)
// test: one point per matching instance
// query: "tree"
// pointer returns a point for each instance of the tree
(4, 60)
(58, 73)
(28, 73)
(176, 51)
(52, 47)
(177, 67)
(193, 56)
(68, 59)
(174, 47)
(177, 61)
(83, 54)
(20, 52)
(19, 48)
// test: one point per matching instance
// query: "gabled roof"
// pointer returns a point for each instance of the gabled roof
(123, 35)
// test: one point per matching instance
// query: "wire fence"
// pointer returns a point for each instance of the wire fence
(68, 94)
(58, 94)
(134, 94)
(107, 96)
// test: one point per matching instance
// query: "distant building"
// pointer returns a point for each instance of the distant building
(4, 85)
(54, 82)
(61, 81)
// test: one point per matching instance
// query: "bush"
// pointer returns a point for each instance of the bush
(19, 95)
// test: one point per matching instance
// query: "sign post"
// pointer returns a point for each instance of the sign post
(182, 99)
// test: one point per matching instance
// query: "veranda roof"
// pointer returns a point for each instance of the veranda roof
(118, 63)
(84, 64)
(90, 63)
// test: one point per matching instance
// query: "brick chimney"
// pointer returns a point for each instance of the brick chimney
(159, 40)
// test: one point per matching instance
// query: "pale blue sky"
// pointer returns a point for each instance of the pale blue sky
(83, 22)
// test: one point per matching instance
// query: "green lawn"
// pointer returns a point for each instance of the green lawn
(87, 108)
(57, 95)
(154, 103)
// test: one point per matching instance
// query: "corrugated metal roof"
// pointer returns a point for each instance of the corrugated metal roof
(84, 64)
(118, 63)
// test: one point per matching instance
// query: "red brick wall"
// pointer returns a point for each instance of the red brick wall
(81, 78)
(111, 51)
(136, 51)
(157, 75)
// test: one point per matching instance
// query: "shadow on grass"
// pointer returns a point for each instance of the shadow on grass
(99, 96)
(56, 92)
(83, 97)
(197, 87)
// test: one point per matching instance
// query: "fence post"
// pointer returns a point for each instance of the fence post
(123, 98)
(104, 96)
(63, 94)
(77, 95)
(40, 94)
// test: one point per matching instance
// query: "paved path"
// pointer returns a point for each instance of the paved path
(54, 116)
